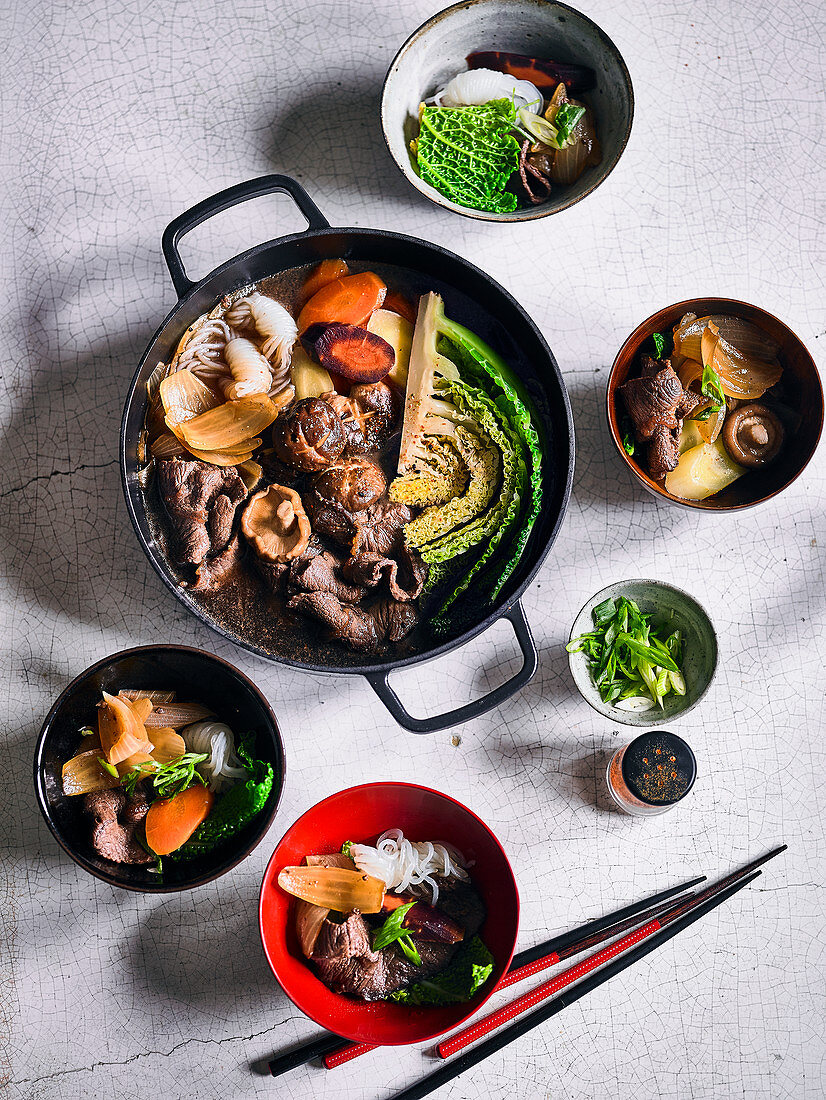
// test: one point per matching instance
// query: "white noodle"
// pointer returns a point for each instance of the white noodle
(251, 372)
(272, 321)
(410, 866)
(218, 740)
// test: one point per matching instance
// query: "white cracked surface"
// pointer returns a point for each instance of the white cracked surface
(117, 116)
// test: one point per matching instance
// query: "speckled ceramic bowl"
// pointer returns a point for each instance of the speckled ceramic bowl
(539, 28)
(668, 605)
(195, 675)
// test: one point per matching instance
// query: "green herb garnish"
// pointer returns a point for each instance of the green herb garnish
(712, 388)
(469, 153)
(629, 658)
(87, 731)
(345, 848)
(471, 967)
(393, 931)
(663, 344)
(168, 779)
(565, 120)
(628, 440)
(109, 767)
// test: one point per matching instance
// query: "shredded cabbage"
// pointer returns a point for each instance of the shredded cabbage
(457, 381)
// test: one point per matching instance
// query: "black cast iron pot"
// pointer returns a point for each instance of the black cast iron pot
(471, 297)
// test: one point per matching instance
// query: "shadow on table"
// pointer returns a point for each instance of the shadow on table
(600, 477)
(203, 951)
(588, 783)
(65, 538)
(332, 141)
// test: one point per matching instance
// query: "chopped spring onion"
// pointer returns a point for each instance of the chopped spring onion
(633, 663)
(108, 767)
(710, 387)
(168, 779)
(565, 121)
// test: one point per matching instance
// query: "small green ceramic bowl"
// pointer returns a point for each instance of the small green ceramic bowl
(668, 605)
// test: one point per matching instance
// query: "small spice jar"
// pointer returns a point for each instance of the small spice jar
(652, 773)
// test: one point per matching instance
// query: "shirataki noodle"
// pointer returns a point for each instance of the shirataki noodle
(409, 866)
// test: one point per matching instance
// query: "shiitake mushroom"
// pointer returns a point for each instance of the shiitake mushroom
(753, 435)
(310, 435)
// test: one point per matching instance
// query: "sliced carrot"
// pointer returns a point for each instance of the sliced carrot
(397, 303)
(350, 351)
(349, 301)
(172, 821)
(325, 273)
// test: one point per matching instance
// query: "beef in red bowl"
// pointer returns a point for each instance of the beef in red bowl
(388, 913)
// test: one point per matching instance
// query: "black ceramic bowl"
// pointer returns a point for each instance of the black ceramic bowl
(196, 676)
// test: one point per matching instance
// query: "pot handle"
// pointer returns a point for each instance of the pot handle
(379, 681)
(240, 192)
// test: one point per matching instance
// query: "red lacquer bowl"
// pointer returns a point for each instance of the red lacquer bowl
(363, 814)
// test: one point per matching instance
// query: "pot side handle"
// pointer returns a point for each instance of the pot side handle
(379, 682)
(232, 196)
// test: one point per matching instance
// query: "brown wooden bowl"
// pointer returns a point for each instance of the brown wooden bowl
(800, 376)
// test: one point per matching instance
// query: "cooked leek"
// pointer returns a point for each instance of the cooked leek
(176, 715)
(334, 888)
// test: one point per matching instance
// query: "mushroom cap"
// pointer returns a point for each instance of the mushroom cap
(369, 416)
(753, 435)
(309, 435)
(276, 525)
(354, 485)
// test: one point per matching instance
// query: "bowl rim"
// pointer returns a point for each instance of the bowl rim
(633, 342)
(531, 214)
(606, 709)
(297, 999)
(45, 806)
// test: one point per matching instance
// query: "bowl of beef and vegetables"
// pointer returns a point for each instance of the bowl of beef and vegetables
(507, 111)
(715, 404)
(388, 913)
(159, 768)
(347, 450)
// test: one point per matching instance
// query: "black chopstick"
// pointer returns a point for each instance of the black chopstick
(565, 939)
(325, 1044)
(515, 1030)
(328, 1042)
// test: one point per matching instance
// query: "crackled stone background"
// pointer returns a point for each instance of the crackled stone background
(117, 115)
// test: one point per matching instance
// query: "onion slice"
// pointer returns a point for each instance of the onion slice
(84, 773)
(689, 373)
(121, 732)
(185, 396)
(233, 423)
(154, 696)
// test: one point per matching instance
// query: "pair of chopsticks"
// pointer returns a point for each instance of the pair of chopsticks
(664, 915)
